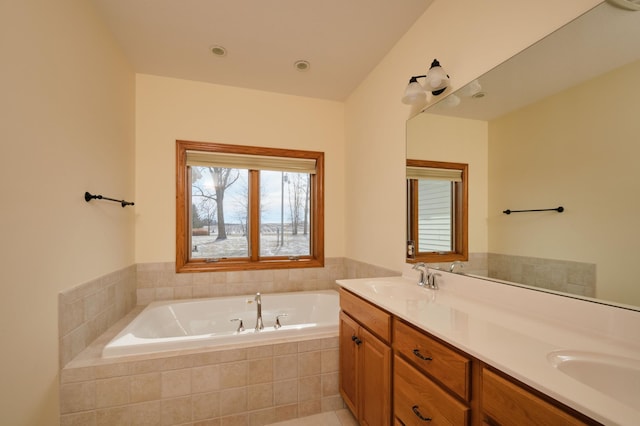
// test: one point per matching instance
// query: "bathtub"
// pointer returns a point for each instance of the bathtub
(209, 323)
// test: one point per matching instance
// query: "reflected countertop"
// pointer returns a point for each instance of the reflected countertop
(515, 330)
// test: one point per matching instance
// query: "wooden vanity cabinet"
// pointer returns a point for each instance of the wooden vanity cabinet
(505, 402)
(431, 381)
(365, 360)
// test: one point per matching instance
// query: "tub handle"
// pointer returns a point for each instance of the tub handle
(277, 324)
(240, 326)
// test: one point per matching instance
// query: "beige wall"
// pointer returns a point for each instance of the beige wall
(577, 149)
(169, 109)
(440, 138)
(469, 38)
(67, 120)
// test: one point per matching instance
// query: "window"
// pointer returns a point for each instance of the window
(437, 211)
(241, 207)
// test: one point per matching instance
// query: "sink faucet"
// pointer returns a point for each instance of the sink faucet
(259, 324)
(424, 271)
(454, 264)
(427, 279)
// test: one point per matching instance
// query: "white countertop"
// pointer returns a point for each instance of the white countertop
(514, 329)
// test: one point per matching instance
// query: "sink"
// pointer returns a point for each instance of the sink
(386, 289)
(614, 376)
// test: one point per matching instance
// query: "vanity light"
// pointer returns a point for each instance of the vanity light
(436, 81)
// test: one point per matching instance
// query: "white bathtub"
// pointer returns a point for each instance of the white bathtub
(200, 323)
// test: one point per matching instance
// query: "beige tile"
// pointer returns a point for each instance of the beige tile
(285, 392)
(285, 349)
(310, 345)
(233, 401)
(285, 367)
(260, 352)
(112, 392)
(259, 396)
(309, 363)
(233, 374)
(175, 383)
(85, 418)
(331, 403)
(145, 414)
(330, 384)
(72, 375)
(260, 370)
(205, 405)
(113, 416)
(205, 379)
(330, 360)
(308, 408)
(237, 420)
(111, 370)
(262, 417)
(309, 388)
(176, 411)
(208, 422)
(145, 387)
(76, 397)
(286, 412)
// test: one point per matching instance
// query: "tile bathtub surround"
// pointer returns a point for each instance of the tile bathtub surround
(159, 281)
(88, 310)
(250, 386)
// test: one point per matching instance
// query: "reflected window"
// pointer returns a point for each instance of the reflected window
(242, 207)
(437, 211)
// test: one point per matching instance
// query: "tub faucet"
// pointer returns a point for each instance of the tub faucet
(259, 324)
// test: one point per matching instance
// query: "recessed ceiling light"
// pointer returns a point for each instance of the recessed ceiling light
(302, 65)
(218, 50)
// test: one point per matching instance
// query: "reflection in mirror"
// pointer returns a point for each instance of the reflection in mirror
(554, 126)
(437, 199)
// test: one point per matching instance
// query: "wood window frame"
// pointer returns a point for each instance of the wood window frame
(184, 263)
(461, 215)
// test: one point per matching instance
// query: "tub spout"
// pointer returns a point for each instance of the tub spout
(259, 324)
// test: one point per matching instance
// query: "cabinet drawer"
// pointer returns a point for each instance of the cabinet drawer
(419, 401)
(509, 404)
(371, 317)
(433, 358)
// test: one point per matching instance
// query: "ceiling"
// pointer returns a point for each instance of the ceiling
(342, 40)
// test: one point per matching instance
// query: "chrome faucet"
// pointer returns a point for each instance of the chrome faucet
(422, 268)
(259, 324)
(454, 264)
(427, 279)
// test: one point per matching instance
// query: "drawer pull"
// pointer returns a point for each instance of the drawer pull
(355, 339)
(420, 416)
(417, 353)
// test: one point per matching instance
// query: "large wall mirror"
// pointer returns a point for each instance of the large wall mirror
(557, 125)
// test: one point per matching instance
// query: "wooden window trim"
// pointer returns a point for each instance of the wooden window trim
(185, 264)
(461, 214)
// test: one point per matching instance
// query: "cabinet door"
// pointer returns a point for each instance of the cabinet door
(348, 362)
(375, 380)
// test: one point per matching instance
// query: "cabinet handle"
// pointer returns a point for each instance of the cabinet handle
(420, 416)
(355, 339)
(417, 353)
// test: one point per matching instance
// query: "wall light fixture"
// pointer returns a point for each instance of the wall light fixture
(435, 81)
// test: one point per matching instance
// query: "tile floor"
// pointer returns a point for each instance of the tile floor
(329, 418)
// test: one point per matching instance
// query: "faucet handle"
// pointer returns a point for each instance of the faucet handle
(277, 324)
(240, 326)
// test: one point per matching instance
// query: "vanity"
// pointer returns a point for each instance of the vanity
(480, 353)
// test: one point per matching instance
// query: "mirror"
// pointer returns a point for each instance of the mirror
(555, 126)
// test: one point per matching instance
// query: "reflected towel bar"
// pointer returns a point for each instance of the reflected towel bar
(88, 197)
(557, 209)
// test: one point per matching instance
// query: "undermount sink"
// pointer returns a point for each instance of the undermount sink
(614, 376)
